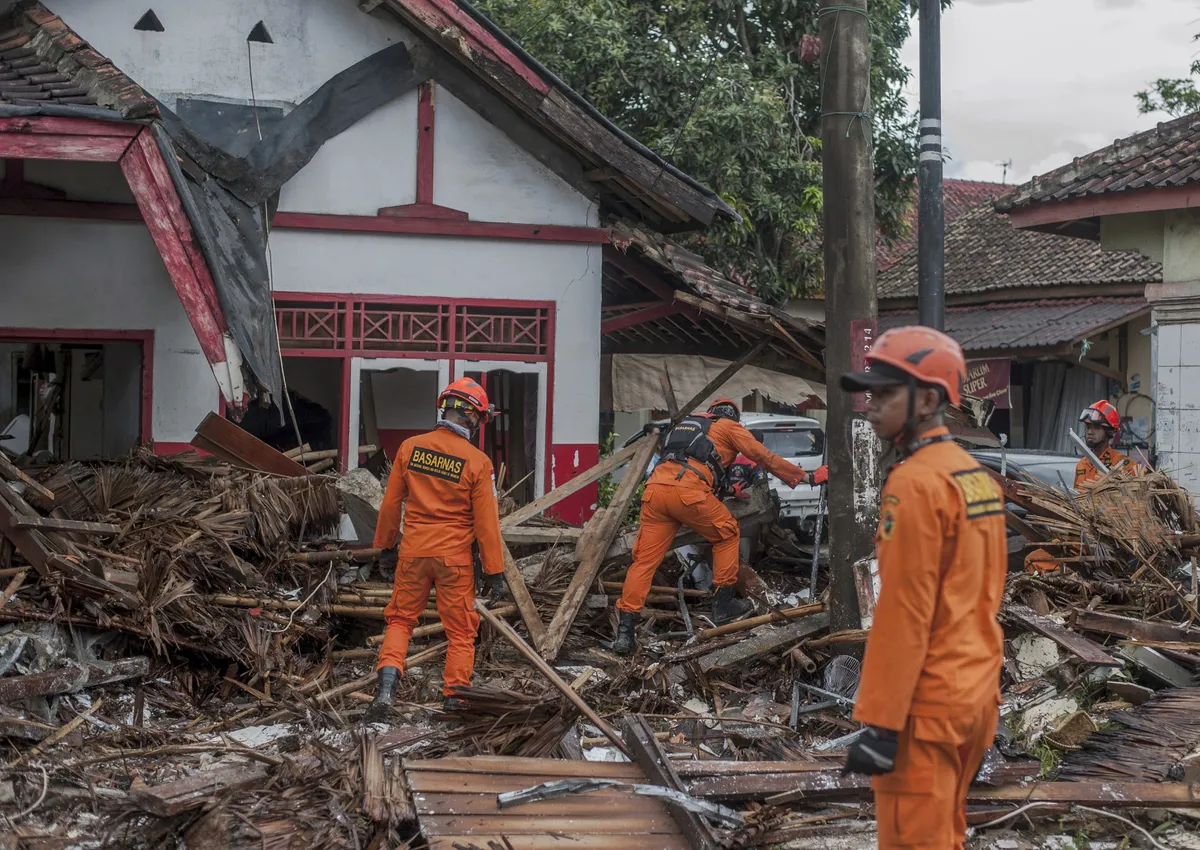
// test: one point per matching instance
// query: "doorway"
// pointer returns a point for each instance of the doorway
(392, 399)
(74, 395)
(515, 439)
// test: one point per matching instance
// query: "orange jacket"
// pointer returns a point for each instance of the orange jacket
(730, 438)
(1085, 470)
(935, 646)
(448, 491)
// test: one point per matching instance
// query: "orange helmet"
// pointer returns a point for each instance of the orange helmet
(466, 394)
(716, 409)
(1101, 413)
(923, 354)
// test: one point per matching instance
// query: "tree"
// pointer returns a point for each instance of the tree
(718, 88)
(1174, 97)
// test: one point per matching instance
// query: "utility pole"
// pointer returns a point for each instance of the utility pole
(850, 318)
(931, 208)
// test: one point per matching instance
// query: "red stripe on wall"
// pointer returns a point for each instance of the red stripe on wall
(567, 461)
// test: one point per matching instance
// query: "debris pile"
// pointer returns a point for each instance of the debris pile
(190, 646)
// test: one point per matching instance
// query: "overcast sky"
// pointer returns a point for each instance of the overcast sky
(1042, 81)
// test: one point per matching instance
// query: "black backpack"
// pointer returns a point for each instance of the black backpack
(689, 440)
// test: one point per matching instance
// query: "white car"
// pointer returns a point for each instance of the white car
(801, 441)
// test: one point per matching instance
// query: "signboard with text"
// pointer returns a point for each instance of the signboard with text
(990, 380)
(862, 337)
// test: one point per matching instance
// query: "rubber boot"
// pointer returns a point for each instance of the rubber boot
(381, 707)
(453, 704)
(626, 641)
(727, 608)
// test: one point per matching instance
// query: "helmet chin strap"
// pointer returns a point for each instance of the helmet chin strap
(908, 441)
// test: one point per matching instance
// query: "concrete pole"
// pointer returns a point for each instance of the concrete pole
(931, 215)
(849, 185)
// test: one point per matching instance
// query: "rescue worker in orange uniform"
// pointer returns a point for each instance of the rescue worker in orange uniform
(447, 489)
(685, 489)
(930, 686)
(1101, 423)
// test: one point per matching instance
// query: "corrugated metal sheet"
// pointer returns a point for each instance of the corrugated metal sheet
(1027, 324)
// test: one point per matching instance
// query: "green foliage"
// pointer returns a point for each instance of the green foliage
(718, 88)
(1176, 97)
(1048, 757)
(608, 487)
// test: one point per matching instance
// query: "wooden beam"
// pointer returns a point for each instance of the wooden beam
(29, 543)
(1128, 627)
(62, 147)
(641, 272)
(572, 487)
(193, 792)
(9, 471)
(743, 320)
(649, 755)
(639, 317)
(411, 226)
(532, 535)
(719, 381)
(592, 559)
(72, 525)
(219, 436)
(668, 389)
(1083, 648)
(520, 593)
(514, 639)
(766, 640)
(1115, 203)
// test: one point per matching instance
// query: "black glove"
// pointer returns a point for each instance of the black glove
(496, 588)
(388, 560)
(874, 753)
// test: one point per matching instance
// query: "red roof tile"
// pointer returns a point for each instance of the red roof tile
(984, 252)
(1028, 324)
(958, 197)
(1168, 155)
(43, 62)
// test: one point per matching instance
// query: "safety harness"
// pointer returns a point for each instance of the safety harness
(689, 441)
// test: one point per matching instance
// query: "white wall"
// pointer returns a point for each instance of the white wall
(470, 268)
(202, 50)
(371, 165)
(107, 275)
(478, 169)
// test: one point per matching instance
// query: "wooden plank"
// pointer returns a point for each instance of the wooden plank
(766, 640)
(1083, 648)
(697, 769)
(827, 784)
(1128, 627)
(617, 822)
(782, 615)
(560, 842)
(481, 783)
(30, 544)
(649, 756)
(592, 558)
(552, 768)
(520, 594)
(8, 470)
(192, 792)
(230, 442)
(570, 488)
(72, 525)
(506, 632)
(66, 680)
(579, 805)
(530, 535)
(1108, 794)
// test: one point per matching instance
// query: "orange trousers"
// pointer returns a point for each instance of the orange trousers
(664, 509)
(455, 605)
(922, 805)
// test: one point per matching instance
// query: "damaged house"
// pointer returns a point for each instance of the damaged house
(204, 203)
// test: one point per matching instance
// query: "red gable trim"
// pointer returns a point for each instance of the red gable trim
(79, 140)
(1097, 206)
(156, 197)
(443, 15)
